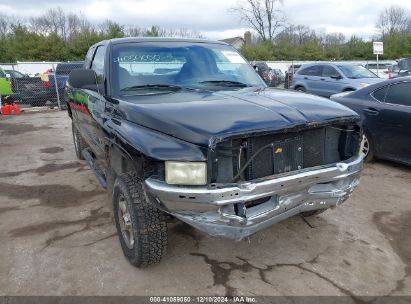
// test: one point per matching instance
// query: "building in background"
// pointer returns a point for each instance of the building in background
(239, 42)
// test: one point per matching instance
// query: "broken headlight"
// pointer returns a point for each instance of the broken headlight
(186, 173)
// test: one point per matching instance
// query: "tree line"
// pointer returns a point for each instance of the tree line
(277, 40)
(60, 36)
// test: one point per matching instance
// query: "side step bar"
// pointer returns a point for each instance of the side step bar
(93, 165)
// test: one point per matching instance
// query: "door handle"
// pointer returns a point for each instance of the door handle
(305, 77)
(371, 111)
(322, 78)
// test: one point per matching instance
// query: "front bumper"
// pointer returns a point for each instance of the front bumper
(211, 208)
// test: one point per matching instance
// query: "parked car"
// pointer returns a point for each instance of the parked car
(290, 74)
(207, 143)
(385, 110)
(279, 76)
(382, 70)
(25, 90)
(265, 72)
(63, 71)
(326, 79)
(401, 69)
(61, 75)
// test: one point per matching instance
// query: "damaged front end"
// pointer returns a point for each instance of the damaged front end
(261, 178)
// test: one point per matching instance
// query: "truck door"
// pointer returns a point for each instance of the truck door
(93, 117)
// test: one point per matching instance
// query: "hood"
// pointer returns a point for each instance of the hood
(201, 117)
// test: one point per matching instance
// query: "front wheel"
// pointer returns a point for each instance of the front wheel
(79, 143)
(300, 89)
(367, 148)
(141, 227)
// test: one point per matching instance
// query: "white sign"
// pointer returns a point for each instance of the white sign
(378, 48)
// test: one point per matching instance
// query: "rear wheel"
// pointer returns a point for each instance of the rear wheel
(141, 227)
(79, 143)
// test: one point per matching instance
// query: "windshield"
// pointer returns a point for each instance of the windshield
(165, 66)
(356, 71)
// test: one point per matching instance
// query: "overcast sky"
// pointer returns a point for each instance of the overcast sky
(212, 17)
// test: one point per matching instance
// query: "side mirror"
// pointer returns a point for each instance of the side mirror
(8, 76)
(83, 79)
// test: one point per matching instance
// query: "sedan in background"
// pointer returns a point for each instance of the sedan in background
(326, 79)
(385, 110)
(401, 69)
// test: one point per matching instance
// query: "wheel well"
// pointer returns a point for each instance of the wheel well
(349, 90)
(299, 86)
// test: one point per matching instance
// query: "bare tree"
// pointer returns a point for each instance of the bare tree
(297, 35)
(182, 33)
(394, 19)
(53, 21)
(263, 16)
(78, 24)
(134, 31)
(4, 25)
(334, 39)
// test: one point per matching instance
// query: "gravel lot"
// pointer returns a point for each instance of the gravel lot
(57, 235)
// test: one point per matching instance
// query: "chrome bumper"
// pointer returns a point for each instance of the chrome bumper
(211, 208)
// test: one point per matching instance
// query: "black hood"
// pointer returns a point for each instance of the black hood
(200, 117)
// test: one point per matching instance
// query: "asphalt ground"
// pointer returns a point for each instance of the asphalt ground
(57, 235)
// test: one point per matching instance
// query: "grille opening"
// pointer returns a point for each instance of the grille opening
(286, 152)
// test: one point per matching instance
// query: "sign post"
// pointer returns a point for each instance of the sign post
(378, 48)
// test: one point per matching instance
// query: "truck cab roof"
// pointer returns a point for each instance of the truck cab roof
(157, 39)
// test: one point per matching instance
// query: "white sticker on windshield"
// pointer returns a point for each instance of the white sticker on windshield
(233, 57)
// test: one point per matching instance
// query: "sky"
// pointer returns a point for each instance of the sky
(213, 18)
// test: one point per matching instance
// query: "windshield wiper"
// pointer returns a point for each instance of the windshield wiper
(226, 83)
(152, 86)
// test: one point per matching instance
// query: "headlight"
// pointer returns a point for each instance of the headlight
(363, 85)
(186, 173)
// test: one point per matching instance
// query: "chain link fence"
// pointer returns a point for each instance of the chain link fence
(35, 84)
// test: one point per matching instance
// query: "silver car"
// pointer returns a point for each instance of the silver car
(326, 79)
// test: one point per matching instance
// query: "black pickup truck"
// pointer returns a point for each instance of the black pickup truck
(187, 129)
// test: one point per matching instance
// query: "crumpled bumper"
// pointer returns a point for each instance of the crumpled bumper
(211, 208)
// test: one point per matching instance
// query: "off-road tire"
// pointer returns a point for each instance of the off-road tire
(312, 212)
(148, 223)
(79, 143)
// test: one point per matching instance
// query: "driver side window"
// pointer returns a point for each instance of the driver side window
(98, 63)
(329, 71)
